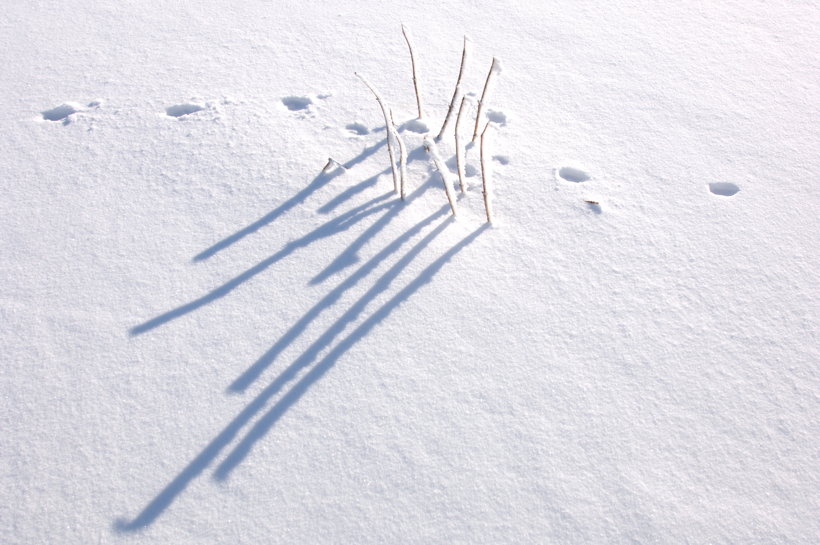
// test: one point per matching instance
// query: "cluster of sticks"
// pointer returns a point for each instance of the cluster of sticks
(399, 177)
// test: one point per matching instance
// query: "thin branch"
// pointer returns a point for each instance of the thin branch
(413, 63)
(485, 177)
(330, 162)
(456, 92)
(402, 156)
(459, 153)
(493, 69)
(430, 147)
(388, 127)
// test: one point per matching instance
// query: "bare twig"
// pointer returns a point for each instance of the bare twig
(388, 127)
(493, 68)
(330, 162)
(413, 63)
(402, 156)
(485, 177)
(431, 148)
(459, 152)
(456, 92)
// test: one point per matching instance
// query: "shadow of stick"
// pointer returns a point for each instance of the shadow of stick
(264, 424)
(332, 227)
(161, 502)
(317, 183)
(253, 372)
(349, 255)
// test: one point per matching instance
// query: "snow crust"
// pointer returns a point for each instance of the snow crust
(208, 338)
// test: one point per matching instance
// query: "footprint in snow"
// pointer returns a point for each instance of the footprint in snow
(417, 126)
(469, 170)
(499, 118)
(724, 189)
(503, 159)
(64, 111)
(357, 129)
(297, 104)
(179, 110)
(572, 174)
(304, 105)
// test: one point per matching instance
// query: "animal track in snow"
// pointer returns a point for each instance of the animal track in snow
(595, 206)
(724, 189)
(499, 118)
(417, 126)
(503, 159)
(469, 170)
(297, 104)
(65, 110)
(179, 110)
(572, 174)
(60, 113)
(357, 128)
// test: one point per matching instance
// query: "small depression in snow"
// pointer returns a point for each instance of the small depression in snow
(295, 104)
(500, 118)
(417, 125)
(503, 159)
(724, 189)
(178, 110)
(59, 113)
(571, 174)
(469, 170)
(357, 129)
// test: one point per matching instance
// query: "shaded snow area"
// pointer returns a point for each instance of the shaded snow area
(221, 324)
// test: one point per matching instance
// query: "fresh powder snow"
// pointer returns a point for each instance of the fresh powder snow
(221, 324)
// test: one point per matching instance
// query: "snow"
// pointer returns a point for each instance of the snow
(209, 338)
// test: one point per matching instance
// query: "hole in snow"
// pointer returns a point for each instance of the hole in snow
(178, 110)
(571, 174)
(724, 189)
(503, 159)
(357, 128)
(497, 117)
(417, 125)
(469, 170)
(294, 104)
(60, 112)
(595, 206)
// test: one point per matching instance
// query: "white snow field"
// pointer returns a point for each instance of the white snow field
(208, 339)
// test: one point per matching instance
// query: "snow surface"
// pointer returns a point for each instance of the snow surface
(209, 339)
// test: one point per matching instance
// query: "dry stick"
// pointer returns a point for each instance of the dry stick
(402, 156)
(388, 127)
(430, 146)
(330, 162)
(485, 177)
(413, 63)
(459, 153)
(455, 93)
(483, 96)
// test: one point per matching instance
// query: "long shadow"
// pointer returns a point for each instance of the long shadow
(266, 422)
(349, 255)
(194, 468)
(352, 191)
(253, 372)
(366, 152)
(329, 228)
(317, 183)
(414, 155)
